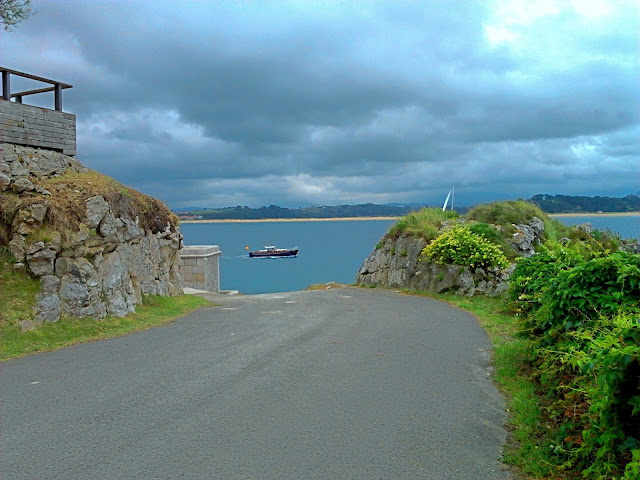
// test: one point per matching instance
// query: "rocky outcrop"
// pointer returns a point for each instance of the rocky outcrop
(527, 236)
(398, 263)
(104, 264)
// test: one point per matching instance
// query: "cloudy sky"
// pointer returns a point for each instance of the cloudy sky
(223, 103)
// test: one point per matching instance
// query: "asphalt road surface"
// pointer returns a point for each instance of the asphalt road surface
(344, 383)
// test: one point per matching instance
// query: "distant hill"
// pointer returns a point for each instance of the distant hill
(571, 204)
(548, 203)
(274, 211)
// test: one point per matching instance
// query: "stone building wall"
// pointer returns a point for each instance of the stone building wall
(37, 127)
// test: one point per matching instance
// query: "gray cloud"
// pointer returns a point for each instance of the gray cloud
(225, 103)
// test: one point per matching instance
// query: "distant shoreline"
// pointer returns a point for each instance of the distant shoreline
(599, 214)
(262, 220)
(344, 219)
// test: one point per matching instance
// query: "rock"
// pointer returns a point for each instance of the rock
(527, 235)
(18, 247)
(4, 182)
(41, 262)
(95, 210)
(585, 227)
(537, 225)
(398, 263)
(22, 185)
(106, 266)
(110, 225)
(48, 307)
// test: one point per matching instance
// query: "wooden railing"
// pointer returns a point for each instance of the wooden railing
(56, 87)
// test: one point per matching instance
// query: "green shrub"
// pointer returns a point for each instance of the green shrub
(460, 246)
(585, 316)
(494, 236)
(576, 297)
(532, 275)
(594, 375)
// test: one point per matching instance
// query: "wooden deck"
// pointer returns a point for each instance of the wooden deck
(36, 126)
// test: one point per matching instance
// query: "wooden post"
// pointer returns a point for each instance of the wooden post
(6, 86)
(18, 98)
(58, 97)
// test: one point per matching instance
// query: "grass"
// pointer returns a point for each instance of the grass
(153, 312)
(525, 449)
(18, 297)
(423, 223)
(17, 292)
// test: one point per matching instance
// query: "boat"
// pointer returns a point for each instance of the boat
(273, 251)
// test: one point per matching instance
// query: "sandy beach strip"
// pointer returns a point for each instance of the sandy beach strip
(596, 214)
(262, 220)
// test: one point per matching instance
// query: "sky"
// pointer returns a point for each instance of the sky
(296, 103)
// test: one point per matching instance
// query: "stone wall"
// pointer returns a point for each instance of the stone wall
(37, 127)
(105, 266)
(200, 267)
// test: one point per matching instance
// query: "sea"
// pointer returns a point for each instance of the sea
(330, 251)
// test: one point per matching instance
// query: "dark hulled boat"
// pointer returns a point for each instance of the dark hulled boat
(272, 251)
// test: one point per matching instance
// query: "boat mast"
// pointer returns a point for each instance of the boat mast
(453, 194)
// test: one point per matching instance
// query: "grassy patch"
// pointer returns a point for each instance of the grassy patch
(17, 292)
(154, 311)
(423, 223)
(18, 297)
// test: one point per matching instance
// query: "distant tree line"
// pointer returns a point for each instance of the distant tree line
(548, 203)
(274, 211)
(570, 204)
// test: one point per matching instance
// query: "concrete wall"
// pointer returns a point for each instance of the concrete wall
(200, 267)
(37, 127)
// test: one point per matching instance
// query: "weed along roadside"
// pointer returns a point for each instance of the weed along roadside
(17, 300)
(565, 325)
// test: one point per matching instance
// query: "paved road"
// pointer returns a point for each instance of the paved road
(336, 384)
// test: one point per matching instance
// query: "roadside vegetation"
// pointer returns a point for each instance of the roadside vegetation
(566, 337)
(18, 297)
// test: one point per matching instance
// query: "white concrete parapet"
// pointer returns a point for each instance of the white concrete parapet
(200, 267)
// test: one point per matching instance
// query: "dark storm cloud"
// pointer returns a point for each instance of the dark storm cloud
(216, 103)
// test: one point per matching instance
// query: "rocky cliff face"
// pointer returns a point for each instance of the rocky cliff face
(398, 263)
(96, 245)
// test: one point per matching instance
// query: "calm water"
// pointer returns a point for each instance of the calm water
(329, 251)
(626, 226)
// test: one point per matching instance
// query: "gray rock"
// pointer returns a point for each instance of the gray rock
(41, 262)
(95, 210)
(585, 227)
(48, 309)
(18, 247)
(21, 185)
(74, 294)
(4, 182)
(110, 225)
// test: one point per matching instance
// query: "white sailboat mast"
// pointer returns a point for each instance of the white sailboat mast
(453, 194)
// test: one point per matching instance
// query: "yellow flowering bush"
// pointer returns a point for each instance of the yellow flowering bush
(460, 246)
